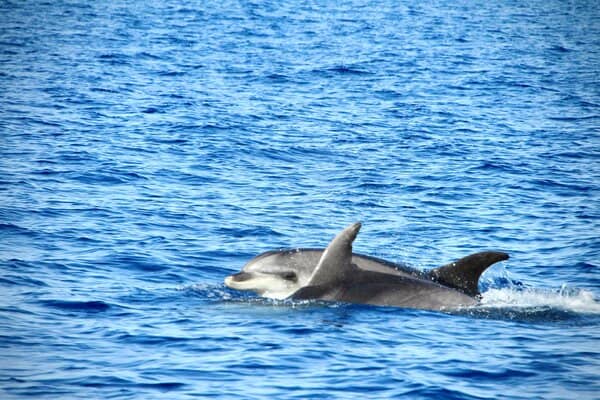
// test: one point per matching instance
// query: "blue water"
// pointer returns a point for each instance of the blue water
(149, 149)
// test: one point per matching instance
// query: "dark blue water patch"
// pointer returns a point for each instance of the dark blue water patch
(49, 172)
(503, 167)
(439, 392)
(170, 140)
(340, 71)
(108, 176)
(148, 55)
(586, 267)
(135, 262)
(172, 73)
(12, 279)
(13, 229)
(559, 49)
(276, 78)
(160, 340)
(96, 381)
(115, 59)
(239, 232)
(91, 306)
(561, 187)
(577, 118)
(27, 269)
(104, 90)
(16, 310)
(34, 390)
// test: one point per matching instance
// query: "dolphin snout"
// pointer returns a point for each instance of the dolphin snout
(240, 277)
(234, 280)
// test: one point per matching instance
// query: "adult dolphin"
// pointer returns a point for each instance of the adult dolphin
(336, 274)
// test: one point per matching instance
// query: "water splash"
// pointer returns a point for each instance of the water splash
(567, 299)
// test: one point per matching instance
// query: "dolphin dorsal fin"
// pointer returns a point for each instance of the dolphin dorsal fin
(336, 261)
(464, 274)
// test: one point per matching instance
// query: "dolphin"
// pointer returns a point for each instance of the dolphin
(337, 274)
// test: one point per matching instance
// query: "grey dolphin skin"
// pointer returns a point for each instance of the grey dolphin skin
(337, 274)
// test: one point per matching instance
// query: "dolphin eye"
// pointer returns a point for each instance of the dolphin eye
(289, 276)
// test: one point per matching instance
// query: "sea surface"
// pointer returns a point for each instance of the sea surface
(148, 149)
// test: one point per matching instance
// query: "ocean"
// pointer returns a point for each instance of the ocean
(150, 149)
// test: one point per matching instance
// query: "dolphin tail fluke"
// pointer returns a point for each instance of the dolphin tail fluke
(336, 262)
(464, 274)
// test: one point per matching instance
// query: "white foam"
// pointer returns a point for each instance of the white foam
(579, 301)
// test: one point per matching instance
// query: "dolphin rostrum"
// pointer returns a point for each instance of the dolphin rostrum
(337, 274)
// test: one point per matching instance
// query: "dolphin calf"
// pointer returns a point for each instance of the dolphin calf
(337, 274)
